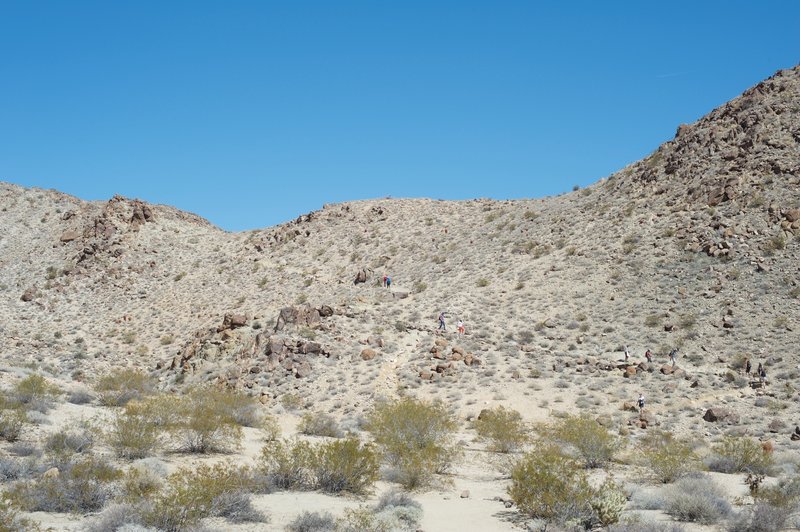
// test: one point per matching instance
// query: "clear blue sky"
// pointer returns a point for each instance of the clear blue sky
(251, 113)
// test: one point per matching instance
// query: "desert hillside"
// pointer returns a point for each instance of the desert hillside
(695, 247)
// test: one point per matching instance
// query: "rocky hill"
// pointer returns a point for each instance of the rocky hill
(693, 247)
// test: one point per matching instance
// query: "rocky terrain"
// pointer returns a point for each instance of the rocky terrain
(695, 247)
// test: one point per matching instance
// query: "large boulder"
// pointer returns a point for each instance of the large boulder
(361, 277)
(302, 315)
(70, 235)
(721, 414)
(233, 321)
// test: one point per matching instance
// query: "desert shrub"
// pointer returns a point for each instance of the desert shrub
(399, 511)
(312, 522)
(270, 428)
(243, 409)
(319, 424)
(668, 458)
(361, 519)
(286, 465)
(638, 525)
(697, 500)
(416, 437)
(120, 386)
(116, 517)
(773, 507)
(11, 521)
(34, 393)
(333, 466)
(740, 455)
(12, 469)
(344, 465)
(138, 484)
(11, 423)
(133, 435)
(591, 441)
(202, 425)
(79, 396)
(547, 484)
(503, 427)
(158, 409)
(82, 486)
(203, 491)
(61, 445)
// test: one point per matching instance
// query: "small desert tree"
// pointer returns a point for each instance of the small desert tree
(416, 437)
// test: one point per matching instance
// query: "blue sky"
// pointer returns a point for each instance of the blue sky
(251, 113)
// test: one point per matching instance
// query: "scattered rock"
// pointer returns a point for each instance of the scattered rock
(70, 235)
(717, 414)
(233, 321)
(368, 354)
(465, 494)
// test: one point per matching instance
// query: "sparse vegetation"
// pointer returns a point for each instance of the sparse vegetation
(592, 442)
(119, 387)
(503, 428)
(740, 455)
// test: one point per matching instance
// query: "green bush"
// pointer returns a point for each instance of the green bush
(62, 445)
(547, 484)
(312, 522)
(669, 458)
(591, 441)
(740, 455)
(504, 429)
(203, 425)
(416, 437)
(191, 494)
(333, 466)
(286, 465)
(34, 393)
(120, 386)
(608, 502)
(139, 484)
(319, 424)
(133, 435)
(11, 423)
(82, 486)
(344, 465)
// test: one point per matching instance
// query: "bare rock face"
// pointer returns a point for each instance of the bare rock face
(233, 321)
(303, 315)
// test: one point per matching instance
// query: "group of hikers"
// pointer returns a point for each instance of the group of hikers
(443, 324)
(648, 355)
(761, 372)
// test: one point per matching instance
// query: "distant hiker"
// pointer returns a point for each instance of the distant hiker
(672, 355)
(648, 355)
(384, 280)
(388, 282)
(442, 325)
(747, 367)
(627, 353)
(762, 376)
(759, 370)
(640, 402)
(460, 327)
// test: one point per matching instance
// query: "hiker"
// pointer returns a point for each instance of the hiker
(672, 356)
(648, 355)
(442, 325)
(627, 353)
(759, 370)
(460, 327)
(384, 280)
(762, 376)
(388, 282)
(747, 367)
(640, 402)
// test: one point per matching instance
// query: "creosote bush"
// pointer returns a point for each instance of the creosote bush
(11, 521)
(547, 484)
(11, 423)
(33, 393)
(120, 386)
(81, 486)
(191, 494)
(740, 455)
(344, 465)
(313, 522)
(503, 427)
(133, 435)
(319, 424)
(416, 437)
(668, 458)
(591, 441)
(204, 424)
